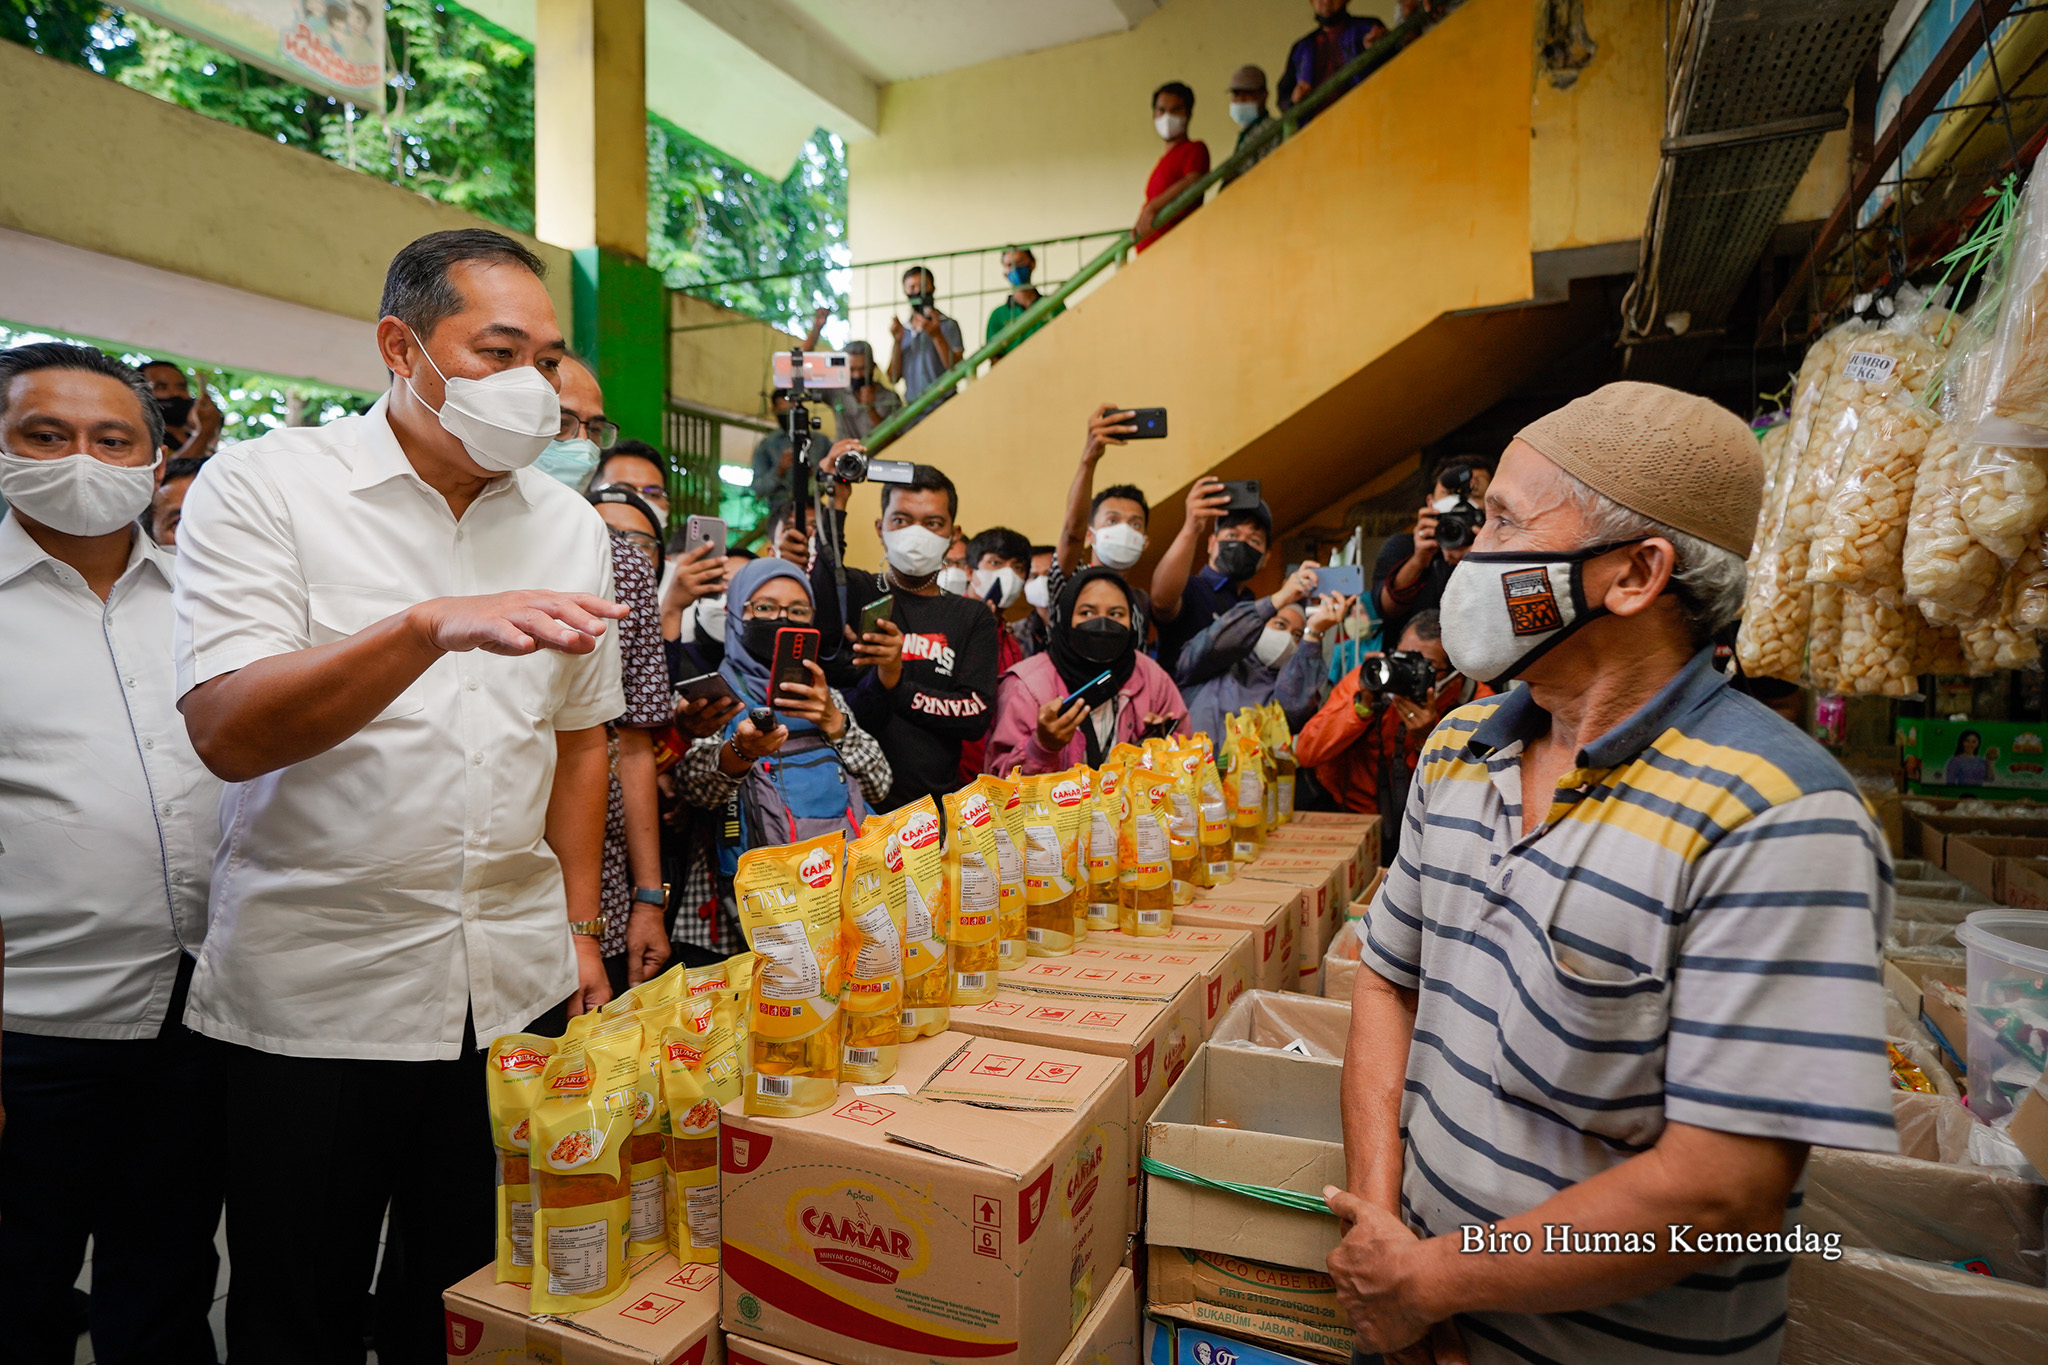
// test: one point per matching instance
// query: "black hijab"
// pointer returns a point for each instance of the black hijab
(1073, 667)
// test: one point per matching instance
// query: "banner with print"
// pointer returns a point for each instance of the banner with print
(333, 46)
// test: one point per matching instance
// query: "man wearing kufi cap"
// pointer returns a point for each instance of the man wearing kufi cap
(1624, 972)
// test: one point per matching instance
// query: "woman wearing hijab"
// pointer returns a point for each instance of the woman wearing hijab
(1090, 651)
(815, 771)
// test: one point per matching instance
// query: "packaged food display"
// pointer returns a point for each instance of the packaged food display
(1280, 743)
(872, 926)
(1213, 868)
(974, 893)
(789, 906)
(655, 1004)
(1859, 540)
(583, 1209)
(1145, 855)
(1835, 418)
(699, 1073)
(1824, 639)
(1105, 817)
(1055, 879)
(2015, 404)
(1941, 563)
(1878, 646)
(1247, 779)
(2028, 584)
(2004, 498)
(1006, 800)
(1183, 825)
(927, 972)
(512, 1071)
(1999, 641)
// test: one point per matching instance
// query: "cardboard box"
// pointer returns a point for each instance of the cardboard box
(2026, 883)
(1154, 1038)
(1223, 956)
(974, 1217)
(667, 1316)
(2028, 1127)
(1293, 839)
(1220, 1260)
(1368, 827)
(1308, 892)
(1340, 963)
(1271, 925)
(1305, 1025)
(1200, 1346)
(1911, 981)
(1110, 1336)
(1927, 1210)
(1872, 1309)
(1325, 874)
(1933, 832)
(1983, 862)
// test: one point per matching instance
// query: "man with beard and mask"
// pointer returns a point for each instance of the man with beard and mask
(1184, 603)
(191, 425)
(1268, 649)
(1118, 694)
(924, 681)
(1625, 971)
(413, 734)
(110, 822)
(814, 720)
(1412, 568)
(1109, 525)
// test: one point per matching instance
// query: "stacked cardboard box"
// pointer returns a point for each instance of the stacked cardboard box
(1321, 877)
(1222, 956)
(667, 1316)
(967, 1211)
(1268, 911)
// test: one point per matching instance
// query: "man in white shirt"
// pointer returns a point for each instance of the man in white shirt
(108, 823)
(414, 740)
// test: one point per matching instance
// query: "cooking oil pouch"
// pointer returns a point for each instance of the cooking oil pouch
(1280, 744)
(646, 1148)
(1183, 822)
(789, 907)
(1128, 756)
(1248, 777)
(583, 1204)
(872, 928)
(974, 892)
(1145, 856)
(1006, 798)
(1213, 868)
(1084, 822)
(1105, 814)
(512, 1071)
(927, 959)
(690, 1049)
(1054, 881)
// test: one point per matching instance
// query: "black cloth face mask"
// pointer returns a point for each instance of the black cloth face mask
(1237, 560)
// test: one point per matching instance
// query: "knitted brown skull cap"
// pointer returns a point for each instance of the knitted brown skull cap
(1674, 457)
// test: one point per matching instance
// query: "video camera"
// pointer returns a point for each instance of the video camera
(1403, 673)
(1457, 525)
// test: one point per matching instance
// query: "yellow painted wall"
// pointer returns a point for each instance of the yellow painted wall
(100, 166)
(1396, 207)
(720, 358)
(1058, 142)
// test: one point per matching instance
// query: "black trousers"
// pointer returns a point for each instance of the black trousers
(117, 1140)
(326, 1146)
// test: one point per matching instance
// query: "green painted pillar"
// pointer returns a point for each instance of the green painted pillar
(621, 328)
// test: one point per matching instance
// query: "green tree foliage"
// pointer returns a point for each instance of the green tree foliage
(711, 218)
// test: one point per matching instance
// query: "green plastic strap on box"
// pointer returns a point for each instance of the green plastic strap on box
(1286, 1199)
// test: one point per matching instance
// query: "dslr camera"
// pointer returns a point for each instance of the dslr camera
(1403, 673)
(1456, 527)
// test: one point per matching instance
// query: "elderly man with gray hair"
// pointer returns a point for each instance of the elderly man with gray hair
(1624, 971)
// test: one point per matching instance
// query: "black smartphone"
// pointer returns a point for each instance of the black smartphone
(1244, 495)
(710, 686)
(1345, 579)
(1075, 695)
(875, 612)
(795, 646)
(1159, 729)
(1150, 424)
(704, 531)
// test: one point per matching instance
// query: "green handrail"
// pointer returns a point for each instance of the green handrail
(1286, 126)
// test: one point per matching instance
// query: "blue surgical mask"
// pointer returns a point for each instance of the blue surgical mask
(569, 461)
(1018, 276)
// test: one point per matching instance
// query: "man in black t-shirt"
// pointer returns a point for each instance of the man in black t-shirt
(925, 679)
(1411, 570)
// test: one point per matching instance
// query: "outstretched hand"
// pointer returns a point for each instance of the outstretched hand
(519, 623)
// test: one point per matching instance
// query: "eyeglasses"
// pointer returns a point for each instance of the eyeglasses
(796, 616)
(600, 432)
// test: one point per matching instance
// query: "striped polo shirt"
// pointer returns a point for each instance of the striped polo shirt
(1692, 935)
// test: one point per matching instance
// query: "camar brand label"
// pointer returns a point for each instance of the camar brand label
(854, 1230)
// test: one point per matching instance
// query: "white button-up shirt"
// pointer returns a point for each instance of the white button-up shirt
(365, 899)
(108, 820)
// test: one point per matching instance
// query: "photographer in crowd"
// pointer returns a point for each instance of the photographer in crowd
(1412, 568)
(1364, 742)
(1264, 650)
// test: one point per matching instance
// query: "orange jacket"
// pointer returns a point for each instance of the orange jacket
(1346, 749)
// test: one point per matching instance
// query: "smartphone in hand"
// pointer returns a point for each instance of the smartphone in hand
(704, 531)
(795, 646)
(874, 613)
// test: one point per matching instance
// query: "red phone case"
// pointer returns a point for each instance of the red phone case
(793, 646)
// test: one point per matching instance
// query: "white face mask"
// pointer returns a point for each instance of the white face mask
(1119, 544)
(1504, 610)
(569, 461)
(504, 420)
(1036, 593)
(1244, 113)
(1276, 645)
(1170, 126)
(1000, 586)
(80, 495)
(711, 616)
(953, 578)
(917, 553)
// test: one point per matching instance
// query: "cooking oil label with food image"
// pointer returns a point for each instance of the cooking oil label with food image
(1055, 804)
(789, 905)
(692, 1139)
(876, 915)
(973, 890)
(1144, 848)
(583, 1218)
(513, 1069)
(927, 978)
(1006, 800)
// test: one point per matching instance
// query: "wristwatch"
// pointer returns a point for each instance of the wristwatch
(652, 895)
(589, 928)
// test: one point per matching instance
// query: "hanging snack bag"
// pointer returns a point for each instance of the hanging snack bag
(691, 1048)
(512, 1075)
(1006, 799)
(873, 929)
(927, 969)
(1054, 880)
(974, 892)
(789, 907)
(1145, 856)
(583, 1205)
(1105, 816)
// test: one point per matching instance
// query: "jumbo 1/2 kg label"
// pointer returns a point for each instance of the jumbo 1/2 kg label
(1866, 367)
